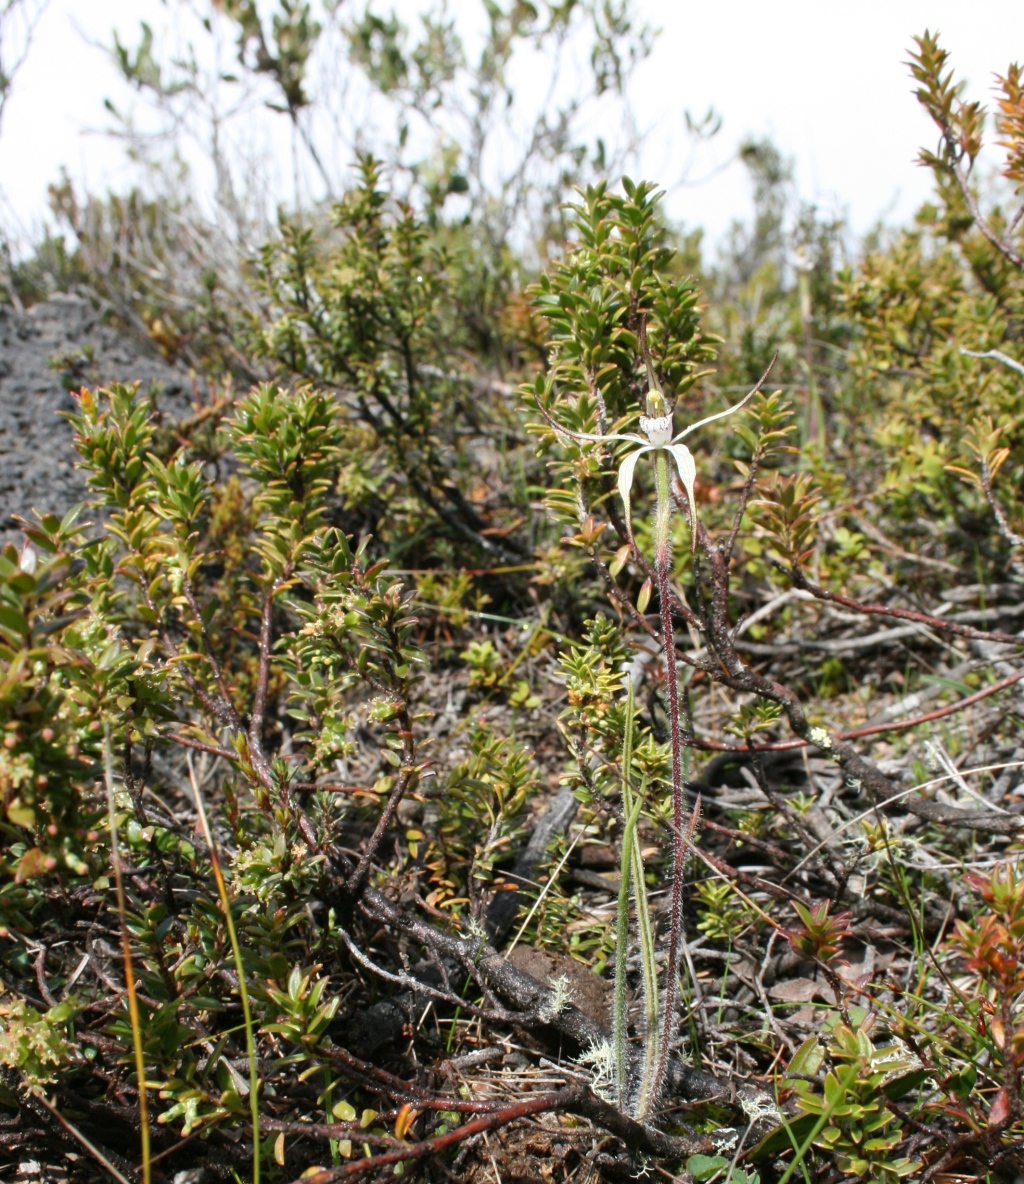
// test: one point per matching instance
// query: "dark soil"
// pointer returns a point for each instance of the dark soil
(58, 346)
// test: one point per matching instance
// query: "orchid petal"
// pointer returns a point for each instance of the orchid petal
(718, 415)
(598, 439)
(574, 435)
(688, 475)
(626, 471)
(736, 406)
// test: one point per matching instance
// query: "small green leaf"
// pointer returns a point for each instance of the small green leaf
(703, 1167)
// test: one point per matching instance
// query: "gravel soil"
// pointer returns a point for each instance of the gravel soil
(54, 347)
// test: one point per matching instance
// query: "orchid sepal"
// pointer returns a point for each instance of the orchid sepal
(625, 482)
(687, 467)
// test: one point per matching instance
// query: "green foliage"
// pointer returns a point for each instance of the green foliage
(38, 1045)
(283, 51)
(481, 814)
(713, 1168)
(860, 1132)
(616, 273)
(724, 916)
(63, 670)
(373, 757)
(373, 316)
(925, 307)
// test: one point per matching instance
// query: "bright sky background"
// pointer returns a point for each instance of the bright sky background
(825, 79)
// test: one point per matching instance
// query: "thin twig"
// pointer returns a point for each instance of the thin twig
(939, 624)
(1004, 527)
(539, 1105)
(868, 729)
(212, 749)
(72, 1130)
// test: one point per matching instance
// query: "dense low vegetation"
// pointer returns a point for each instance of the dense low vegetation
(554, 726)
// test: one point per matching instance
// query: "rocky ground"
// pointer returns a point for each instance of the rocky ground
(54, 348)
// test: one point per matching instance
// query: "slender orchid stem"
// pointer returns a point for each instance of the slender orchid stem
(662, 568)
(619, 1019)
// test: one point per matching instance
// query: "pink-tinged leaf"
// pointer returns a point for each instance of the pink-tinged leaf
(1000, 1111)
(619, 562)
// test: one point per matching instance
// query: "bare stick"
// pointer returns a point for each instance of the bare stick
(259, 760)
(869, 729)
(902, 614)
(1005, 529)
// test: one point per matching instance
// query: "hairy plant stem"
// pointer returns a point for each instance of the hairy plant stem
(662, 566)
(620, 1035)
(632, 871)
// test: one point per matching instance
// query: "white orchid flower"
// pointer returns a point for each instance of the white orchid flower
(658, 438)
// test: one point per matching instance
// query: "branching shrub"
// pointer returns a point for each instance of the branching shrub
(659, 745)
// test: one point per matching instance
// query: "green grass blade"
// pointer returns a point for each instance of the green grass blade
(619, 1018)
(129, 971)
(632, 876)
(236, 949)
(649, 969)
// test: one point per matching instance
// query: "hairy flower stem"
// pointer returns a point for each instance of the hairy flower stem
(662, 568)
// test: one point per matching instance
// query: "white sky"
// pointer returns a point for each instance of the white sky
(825, 79)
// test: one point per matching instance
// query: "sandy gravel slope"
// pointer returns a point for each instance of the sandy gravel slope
(40, 351)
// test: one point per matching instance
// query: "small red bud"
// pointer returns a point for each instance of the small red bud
(10, 741)
(47, 734)
(94, 725)
(52, 828)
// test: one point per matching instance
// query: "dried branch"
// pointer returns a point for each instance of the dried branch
(255, 734)
(939, 624)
